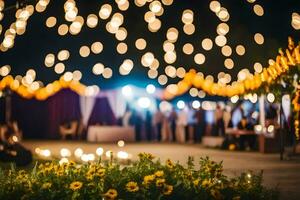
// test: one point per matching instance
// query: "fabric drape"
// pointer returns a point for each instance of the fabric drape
(86, 108)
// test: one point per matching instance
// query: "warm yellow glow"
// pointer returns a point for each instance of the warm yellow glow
(92, 21)
(187, 16)
(222, 29)
(295, 21)
(140, 44)
(84, 51)
(59, 68)
(155, 25)
(97, 47)
(189, 29)
(223, 14)
(258, 10)
(117, 20)
(155, 6)
(170, 57)
(170, 71)
(149, 17)
(49, 60)
(199, 58)
(259, 38)
(152, 73)
(167, 2)
(98, 69)
(126, 67)
(63, 29)
(107, 73)
(215, 6)
(122, 48)
(77, 75)
(121, 34)
(193, 92)
(207, 44)
(172, 34)
(124, 6)
(5, 70)
(68, 76)
(220, 40)
(155, 64)
(240, 50)
(168, 46)
(51, 22)
(258, 67)
(201, 94)
(226, 50)
(228, 63)
(162, 79)
(148, 58)
(63, 55)
(105, 11)
(180, 72)
(188, 48)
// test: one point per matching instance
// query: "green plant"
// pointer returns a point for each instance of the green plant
(146, 178)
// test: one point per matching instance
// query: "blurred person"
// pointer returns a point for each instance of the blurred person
(271, 115)
(227, 117)
(166, 132)
(157, 123)
(126, 117)
(181, 124)
(148, 125)
(244, 124)
(172, 121)
(137, 121)
(219, 121)
(237, 115)
(190, 131)
(200, 124)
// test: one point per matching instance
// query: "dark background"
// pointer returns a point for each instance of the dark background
(31, 48)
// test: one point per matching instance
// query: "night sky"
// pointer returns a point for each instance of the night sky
(31, 48)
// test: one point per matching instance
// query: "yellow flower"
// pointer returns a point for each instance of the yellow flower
(168, 189)
(22, 172)
(71, 164)
(75, 185)
(132, 187)
(159, 173)
(206, 183)
(146, 156)
(169, 164)
(77, 171)
(41, 166)
(100, 172)
(196, 182)
(160, 182)
(148, 179)
(46, 186)
(89, 176)
(111, 194)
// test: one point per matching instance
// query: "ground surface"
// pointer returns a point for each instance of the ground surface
(284, 174)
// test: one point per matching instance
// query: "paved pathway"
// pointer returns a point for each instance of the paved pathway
(285, 174)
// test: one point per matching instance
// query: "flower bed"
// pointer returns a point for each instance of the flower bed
(147, 178)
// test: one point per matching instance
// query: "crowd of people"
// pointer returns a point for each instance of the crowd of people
(189, 124)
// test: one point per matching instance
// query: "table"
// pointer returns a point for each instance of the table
(242, 137)
(110, 134)
(238, 132)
